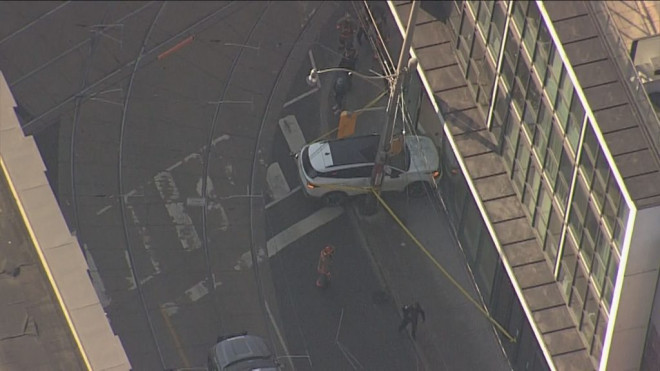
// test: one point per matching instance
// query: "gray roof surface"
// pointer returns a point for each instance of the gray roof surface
(34, 334)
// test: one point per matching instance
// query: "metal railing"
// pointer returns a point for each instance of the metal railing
(629, 75)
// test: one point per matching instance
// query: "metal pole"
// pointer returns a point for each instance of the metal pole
(386, 136)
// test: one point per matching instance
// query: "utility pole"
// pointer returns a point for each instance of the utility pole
(384, 143)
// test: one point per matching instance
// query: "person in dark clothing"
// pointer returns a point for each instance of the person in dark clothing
(343, 83)
(410, 315)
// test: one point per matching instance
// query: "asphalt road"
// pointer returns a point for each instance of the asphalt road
(157, 121)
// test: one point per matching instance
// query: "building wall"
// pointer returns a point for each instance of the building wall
(556, 159)
(640, 277)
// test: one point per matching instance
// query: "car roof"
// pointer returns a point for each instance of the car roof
(354, 150)
(243, 347)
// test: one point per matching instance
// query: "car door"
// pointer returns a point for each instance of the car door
(394, 180)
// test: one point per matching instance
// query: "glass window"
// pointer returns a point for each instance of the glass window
(511, 134)
(565, 176)
(553, 156)
(587, 167)
(551, 87)
(619, 228)
(499, 112)
(486, 83)
(554, 233)
(531, 28)
(465, 39)
(612, 269)
(578, 209)
(590, 314)
(521, 165)
(484, 16)
(543, 212)
(519, 11)
(543, 46)
(602, 256)
(588, 242)
(497, 28)
(487, 263)
(567, 266)
(531, 189)
(511, 51)
(561, 108)
(612, 201)
(471, 229)
(600, 179)
(579, 292)
(455, 18)
(599, 335)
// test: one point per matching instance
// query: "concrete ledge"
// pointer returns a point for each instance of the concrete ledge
(59, 252)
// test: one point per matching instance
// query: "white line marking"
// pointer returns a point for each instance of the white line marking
(198, 291)
(184, 226)
(177, 164)
(191, 156)
(301, 228)
(292, 133)
(276, 182)
(145, 237)
(277, 329)
(103, 210)
(301, 96)
(272, 203)
(219, 139)
(130, 278)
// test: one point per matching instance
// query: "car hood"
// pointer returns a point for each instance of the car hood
(423, 154)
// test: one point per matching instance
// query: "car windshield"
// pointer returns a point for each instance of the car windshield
(307, 164)
(401, 160)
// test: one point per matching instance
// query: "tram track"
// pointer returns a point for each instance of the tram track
(144, 58)
(120, 73)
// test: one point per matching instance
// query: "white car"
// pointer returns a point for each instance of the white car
(335, 169)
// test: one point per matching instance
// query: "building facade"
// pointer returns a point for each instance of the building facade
(553, 187)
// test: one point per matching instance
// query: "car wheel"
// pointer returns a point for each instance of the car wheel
(334, 198)
(417, 189)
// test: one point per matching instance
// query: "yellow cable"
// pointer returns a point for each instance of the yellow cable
(442, 269)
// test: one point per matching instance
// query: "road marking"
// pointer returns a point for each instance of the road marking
(211, 203)
(177, 341)
(301, 228)
(245, 261)
(277, 330)
(292, 133)
(277, 184)
(103, 210)
(274, 202)
(174, 166)
(97, 282)
(301, 96)
(183, 223)
(198, 291)
(145, 237)
(176, 47)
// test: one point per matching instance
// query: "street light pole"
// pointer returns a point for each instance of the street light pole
(384, 143)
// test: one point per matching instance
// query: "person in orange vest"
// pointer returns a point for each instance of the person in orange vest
(346, 26)
(323, 267)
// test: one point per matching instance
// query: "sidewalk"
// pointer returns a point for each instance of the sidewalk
(456, 335)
